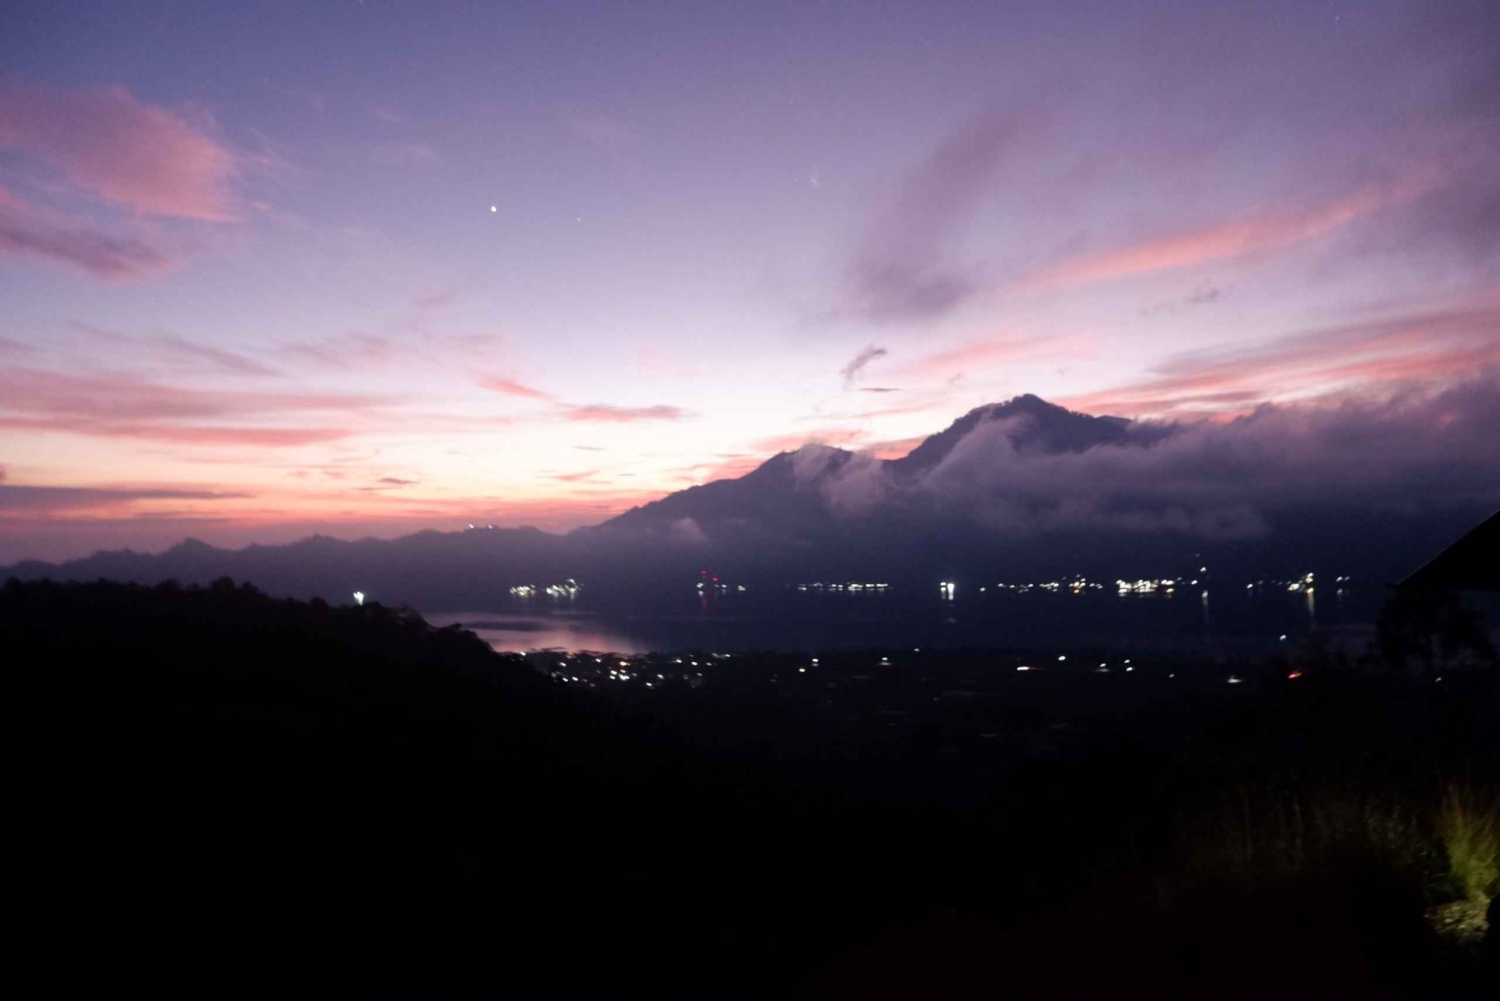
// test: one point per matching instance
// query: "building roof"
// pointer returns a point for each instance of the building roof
(1470, 564)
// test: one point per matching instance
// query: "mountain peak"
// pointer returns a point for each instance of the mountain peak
(782, 490)
(1043, 428)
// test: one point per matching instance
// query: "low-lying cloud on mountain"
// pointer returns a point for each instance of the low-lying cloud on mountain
(1215, 480)
(1027, 467)
(1009, 489)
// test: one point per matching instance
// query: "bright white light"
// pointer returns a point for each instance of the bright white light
(1062, 656)
(1233, 680)
(1024, 667)
(494, 208)
(359, 597)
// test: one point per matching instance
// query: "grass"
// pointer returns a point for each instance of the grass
(1468, 828)
(1271, 838)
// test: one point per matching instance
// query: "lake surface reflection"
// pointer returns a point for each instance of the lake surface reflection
(1244, 624)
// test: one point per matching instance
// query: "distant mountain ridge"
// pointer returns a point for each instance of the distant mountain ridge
(783, 488)
(1006, 491)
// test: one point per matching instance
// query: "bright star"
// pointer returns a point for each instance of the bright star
(494, 208)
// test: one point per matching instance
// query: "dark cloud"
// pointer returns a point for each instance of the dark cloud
(102, 256)
(395, 481)
(14, 497)
(1410, 453)
(901, 270)
(880, 389)
(851, 371)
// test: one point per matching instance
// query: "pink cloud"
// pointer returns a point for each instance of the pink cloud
(606, 413)
(123, 397)
(120, 406)
(1238, 238)
(513, 388)
(181, 434)
(128, 152)
(1377, 354)
(897, 448)
(842, 437)
(992, 352)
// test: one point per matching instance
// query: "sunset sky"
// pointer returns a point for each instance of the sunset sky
(373, 267)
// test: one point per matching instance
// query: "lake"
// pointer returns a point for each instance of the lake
(1229, 622)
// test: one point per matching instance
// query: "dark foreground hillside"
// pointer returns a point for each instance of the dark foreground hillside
(218, 791)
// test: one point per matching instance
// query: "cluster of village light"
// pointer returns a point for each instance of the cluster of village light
(849, 586)
(1077, 586)
(591, 669)
(1303, 583)
(655, 670)
(567, 589)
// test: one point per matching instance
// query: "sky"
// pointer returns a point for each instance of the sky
(367, 268)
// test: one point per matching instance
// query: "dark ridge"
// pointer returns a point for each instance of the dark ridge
(1470, 564)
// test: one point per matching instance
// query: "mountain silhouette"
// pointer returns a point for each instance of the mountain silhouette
(785, 492)
(1008, 490)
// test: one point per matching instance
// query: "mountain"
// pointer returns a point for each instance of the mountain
(1036, 426)
(1020, 490)
(789, 491)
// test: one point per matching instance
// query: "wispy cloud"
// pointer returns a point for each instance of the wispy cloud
(348, 352)
(1369, 355)
(16, 497)
(902, 268)
(838, 436)
(40, 235)
(605, 413)
(993, 352)
(131, 153)
(122, 406)
(1225, 241)
(184, 434)
(856, 364)
(512, 388)
(404, 154)
(172, 346)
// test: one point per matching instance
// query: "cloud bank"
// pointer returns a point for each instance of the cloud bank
(1405, 454)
